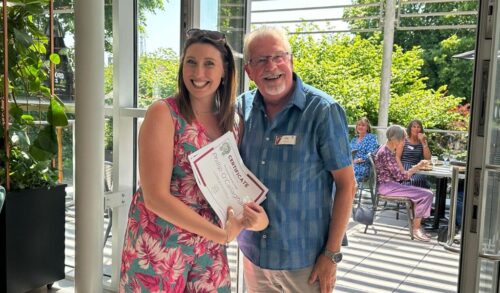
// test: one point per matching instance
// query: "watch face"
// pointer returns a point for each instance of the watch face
(337, 257)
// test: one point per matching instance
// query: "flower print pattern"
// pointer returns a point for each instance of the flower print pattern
(367, 145)
(149, 251)
(128, 255)
(387, 167)
(171, 265)
(161, 257)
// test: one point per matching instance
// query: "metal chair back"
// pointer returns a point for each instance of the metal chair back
(396, 199)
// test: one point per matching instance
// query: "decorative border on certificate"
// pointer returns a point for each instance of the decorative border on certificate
(223, 178)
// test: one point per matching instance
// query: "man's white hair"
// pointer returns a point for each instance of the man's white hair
(265, 31)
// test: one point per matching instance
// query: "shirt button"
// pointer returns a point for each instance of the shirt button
(264, 236)
(267, 138)
(263, 162)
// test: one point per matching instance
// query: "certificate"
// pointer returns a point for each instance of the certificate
(223, 178)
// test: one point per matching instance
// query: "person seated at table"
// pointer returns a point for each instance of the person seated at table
(362, 145)
(414, 150)
(390, 175)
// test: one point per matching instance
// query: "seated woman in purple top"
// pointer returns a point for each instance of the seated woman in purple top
(390, 176)
(364, 143)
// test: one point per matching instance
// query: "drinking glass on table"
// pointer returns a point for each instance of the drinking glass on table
(434, 160)
(446, 157)
(453, 157)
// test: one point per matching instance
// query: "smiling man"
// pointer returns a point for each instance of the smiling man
(296, 141)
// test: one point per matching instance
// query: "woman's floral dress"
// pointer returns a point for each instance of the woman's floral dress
(367, 145)
(161, 257)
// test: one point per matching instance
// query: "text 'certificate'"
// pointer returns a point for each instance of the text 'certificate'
(223, 178)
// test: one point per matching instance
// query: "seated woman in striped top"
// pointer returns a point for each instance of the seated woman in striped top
(415, 149)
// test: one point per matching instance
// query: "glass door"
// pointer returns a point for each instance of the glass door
(228, 17)
(480, 256)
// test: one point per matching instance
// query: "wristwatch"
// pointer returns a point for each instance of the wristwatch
(336, 257)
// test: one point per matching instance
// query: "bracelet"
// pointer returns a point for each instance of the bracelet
(227, 233)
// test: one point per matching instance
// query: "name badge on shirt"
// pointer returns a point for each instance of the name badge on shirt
(410, 147)
(285, 139)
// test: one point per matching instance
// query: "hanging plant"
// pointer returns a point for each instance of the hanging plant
(34, 111)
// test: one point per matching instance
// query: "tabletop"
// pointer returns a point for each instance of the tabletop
(441, 171)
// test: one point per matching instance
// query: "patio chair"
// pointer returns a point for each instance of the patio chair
(388, 199)
(108, 187)
(366, 184)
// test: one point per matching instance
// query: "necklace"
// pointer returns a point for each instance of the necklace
(391, 148)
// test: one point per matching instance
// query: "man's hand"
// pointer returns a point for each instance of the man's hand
(254, 217)
(324, 271)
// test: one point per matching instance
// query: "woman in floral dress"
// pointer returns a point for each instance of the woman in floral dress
(174, 241)
(363, 144)
(390, 176)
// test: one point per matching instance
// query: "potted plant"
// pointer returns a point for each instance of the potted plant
(33, 216)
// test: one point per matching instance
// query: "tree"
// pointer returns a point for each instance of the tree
(348, 68)
(439, 45)
(157, 76)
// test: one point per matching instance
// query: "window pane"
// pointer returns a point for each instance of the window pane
(158, 51)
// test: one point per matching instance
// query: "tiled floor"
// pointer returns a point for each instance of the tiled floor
(384, 259)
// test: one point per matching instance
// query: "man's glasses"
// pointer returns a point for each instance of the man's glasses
(277, 58)
(199, 33)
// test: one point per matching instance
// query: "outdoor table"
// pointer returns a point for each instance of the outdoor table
(441, 173)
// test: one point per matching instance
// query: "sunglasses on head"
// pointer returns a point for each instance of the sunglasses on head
(199, 33)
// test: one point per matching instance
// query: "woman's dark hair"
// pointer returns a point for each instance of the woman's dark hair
(408, 129)
(364, 120)
(226, 93)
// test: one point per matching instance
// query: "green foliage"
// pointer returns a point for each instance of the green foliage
(443, 68)
(157, 77)
(26, 175)
(439, 44)
(348, 68)
(32, 146)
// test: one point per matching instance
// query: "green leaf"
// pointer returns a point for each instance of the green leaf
(28, 119)
(56, 115)
(39, 154)
(23, 38)
(45, 145)
(16, 112)
(45, 91)
(54, 58)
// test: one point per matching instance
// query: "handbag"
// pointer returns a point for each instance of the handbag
(362, 214)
